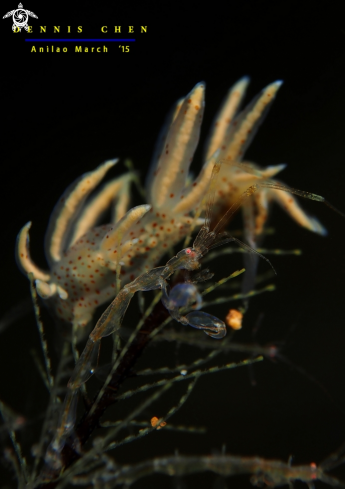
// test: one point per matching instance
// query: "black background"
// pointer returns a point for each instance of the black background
(64, 113)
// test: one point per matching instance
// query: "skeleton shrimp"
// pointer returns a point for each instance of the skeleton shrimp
(182, 295)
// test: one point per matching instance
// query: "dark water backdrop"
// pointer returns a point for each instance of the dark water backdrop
(64, 113)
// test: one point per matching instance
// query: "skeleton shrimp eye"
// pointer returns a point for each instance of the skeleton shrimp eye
(187, 252)
(190, 252)
(189, 257)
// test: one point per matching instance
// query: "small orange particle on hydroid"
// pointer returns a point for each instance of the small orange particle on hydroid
(234, 319)
(154, 422)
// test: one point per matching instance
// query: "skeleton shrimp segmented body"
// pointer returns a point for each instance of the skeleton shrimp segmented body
(86, 262)
(182, 295)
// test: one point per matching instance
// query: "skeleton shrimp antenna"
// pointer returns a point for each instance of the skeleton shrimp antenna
(201, 240)
(205, 240)
(211, 194)
(302, 193)
(234, 207)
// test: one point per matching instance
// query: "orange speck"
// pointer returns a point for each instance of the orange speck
(154, 422)
(171, 196)
(234, 319)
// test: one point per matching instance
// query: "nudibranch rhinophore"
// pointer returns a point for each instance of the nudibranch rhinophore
(84, 258)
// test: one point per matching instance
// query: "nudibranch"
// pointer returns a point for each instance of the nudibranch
(85, 258)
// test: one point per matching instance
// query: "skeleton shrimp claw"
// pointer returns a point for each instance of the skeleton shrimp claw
(211, 325)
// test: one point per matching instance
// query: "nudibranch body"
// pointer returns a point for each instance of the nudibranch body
(84, 259)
